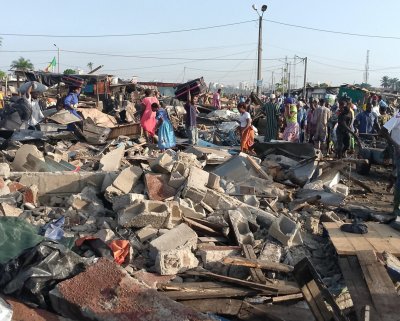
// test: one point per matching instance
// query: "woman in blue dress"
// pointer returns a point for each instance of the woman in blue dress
(164, 129)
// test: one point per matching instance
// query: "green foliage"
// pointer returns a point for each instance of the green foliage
(69, 72)
(22, 64)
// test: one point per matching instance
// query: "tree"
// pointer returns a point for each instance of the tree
(69, 72)
(21, 64)
(364, 85)
(324, 85)
(2, 75)
(385, 82)
(393, 83)
(90, 65)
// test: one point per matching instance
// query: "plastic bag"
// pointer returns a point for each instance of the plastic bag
(16, 235)
(33, 274)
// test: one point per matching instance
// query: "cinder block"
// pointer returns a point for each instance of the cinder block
(284, 230)
(123, 201)
(176, 180)
(196, 195)
(146, 233)
(342, 189)
(240, 228)
(197, 178)
(141, 214)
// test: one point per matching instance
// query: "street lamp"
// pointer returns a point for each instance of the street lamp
(58, 57)
(260, 16)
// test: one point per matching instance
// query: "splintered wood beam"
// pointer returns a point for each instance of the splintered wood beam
(260, 264)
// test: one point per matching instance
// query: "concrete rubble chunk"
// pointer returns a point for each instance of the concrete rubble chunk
(112, 160)
(157, 187)
(124, 182)
(197, 178)
(4, 189)
(286, 231)
(105, 235)
(123, 201)
(176, 180)
(87, 201)
(172, 251)
(211, 254)
(146, 233)
(22, 155)
(10, 210)
(143, 213)
(4, 170)
(162, 164)
(106, 292)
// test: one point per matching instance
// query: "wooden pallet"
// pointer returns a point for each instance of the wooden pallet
(380, 238)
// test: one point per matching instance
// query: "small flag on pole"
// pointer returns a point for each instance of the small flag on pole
(51, 65)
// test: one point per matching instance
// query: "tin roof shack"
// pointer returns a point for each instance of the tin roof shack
(316, 91)
(164, 88)
(357, 94)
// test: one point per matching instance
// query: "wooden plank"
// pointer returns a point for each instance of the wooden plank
(381, 287)
(380, 238)
(261, 264)
(285, 298)
(275, 289)
(358, 289)
(257, 274)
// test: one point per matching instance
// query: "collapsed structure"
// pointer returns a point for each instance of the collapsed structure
(100, 226)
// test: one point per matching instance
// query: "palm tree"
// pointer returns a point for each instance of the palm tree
(385, 82)
(90, 65)
(393, 83)
(21, 64)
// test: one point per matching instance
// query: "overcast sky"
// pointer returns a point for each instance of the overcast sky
(333, 58)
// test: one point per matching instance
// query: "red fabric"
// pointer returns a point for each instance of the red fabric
(120, 249)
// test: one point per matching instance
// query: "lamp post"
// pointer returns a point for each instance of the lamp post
(58, 57)
(260, 16)
(305, 76)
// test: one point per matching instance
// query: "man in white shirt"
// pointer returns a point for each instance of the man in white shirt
(392, 127)
(32, 96)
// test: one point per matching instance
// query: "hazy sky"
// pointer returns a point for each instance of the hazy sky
(333, 58)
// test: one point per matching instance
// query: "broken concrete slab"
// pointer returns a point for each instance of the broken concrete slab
(62, 183)
(22, 155)
(157, 187)
(197, 179)
(152, 280)
(143, 213)
(106, 292)
(172, 251)
(112, 160)
(162, 164)
(124, 182)
(147, 233)
(105, 235)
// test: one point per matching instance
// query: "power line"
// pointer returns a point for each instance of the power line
(126, 35)
(333, 31)
(165, 58)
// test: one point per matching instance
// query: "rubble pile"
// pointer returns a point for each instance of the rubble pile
(159, 222)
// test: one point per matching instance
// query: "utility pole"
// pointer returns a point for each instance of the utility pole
(294, 72)
(273, 84)
(366, 73)
(259, 57)
(305, 79)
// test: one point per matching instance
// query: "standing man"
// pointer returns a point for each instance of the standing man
(391, 130)
(36, 116)
(191, 121)
(343, 129)
(321, 115)
(217, 99)
(365, 121)
(311, 125)
(271, 110)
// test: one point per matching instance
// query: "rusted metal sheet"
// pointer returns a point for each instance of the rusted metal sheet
(125, 130)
